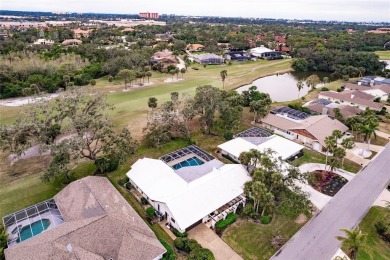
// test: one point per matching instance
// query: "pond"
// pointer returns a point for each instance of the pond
(283, 87)
(387, 64)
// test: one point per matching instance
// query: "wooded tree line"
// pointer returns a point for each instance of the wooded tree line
(61, 68)
(337, 62)
(216, 112)
(73, 127)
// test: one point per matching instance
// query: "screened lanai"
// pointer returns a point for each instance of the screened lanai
(31, 221)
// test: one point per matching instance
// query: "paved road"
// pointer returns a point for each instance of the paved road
(316, 240)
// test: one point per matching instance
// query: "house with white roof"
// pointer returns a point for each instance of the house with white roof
(189, 186)
(265, 53)
(243, 142)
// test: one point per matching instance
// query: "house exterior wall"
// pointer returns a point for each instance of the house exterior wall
(161, 207)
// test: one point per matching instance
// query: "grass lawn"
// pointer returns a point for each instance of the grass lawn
(383, 55)
(252, 240)
(25, 190)
(380, 249)
(131, 107)
(310, 156)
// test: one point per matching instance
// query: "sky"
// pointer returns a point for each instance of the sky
(341, 10)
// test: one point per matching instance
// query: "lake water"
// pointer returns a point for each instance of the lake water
(388, 64)
(282, 87)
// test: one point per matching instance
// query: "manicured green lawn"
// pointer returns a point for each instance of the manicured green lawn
(380, 249)
(252, 240)
(131, 107)
(310, 156)
(26, 190)
(383, 55)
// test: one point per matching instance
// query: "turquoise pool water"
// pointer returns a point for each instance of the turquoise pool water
(34, 229)
(194, 161)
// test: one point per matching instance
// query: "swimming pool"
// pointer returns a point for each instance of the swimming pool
(34, 229)
(194, 161)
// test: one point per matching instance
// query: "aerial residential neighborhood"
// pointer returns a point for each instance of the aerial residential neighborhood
(195, 130)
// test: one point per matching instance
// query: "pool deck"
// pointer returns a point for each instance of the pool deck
(185, 157)
(54, 221)
(192, 173)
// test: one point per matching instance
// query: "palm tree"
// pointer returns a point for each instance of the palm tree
(152, 103)
(361, 71)
(347, 144)
(368, 129)
(182, 71)
(299, 86)
(148, 74)
(177, 71)
(354, 240)
(223, 77)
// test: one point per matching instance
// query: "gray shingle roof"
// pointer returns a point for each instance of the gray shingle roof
(99, 224)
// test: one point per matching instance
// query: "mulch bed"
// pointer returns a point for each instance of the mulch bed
(330, 183)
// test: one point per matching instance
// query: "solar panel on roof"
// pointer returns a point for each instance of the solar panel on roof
(322, 101)
(253, 132)
(290, 112)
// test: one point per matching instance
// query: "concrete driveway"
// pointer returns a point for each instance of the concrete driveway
(208, 239)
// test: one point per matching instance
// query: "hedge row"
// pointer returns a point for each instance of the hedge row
(177, 233)
(230, 218)
(169, 255)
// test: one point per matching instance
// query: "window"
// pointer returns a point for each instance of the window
(173, 220)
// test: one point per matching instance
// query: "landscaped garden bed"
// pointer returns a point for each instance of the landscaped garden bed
(326, 182)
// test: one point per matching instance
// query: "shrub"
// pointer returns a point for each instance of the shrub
(177, 233)
(345, 77)
(339, 90)
(381, 228)
(228, 135)
(324, 89)
(123, 181)
(265, 219)
(249, 209)
(186, 245)
(3, 241)
(110, 78)
(150, 211)
(128, 186)
(201, 254)
(104, 164)
(193, 244)
(144, 201)
(378, 99)
(222, 224)
(169, 255)
(93, 82)
(277, 242)
(180, 243)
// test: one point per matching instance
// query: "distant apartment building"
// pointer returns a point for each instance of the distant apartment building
(148, 15)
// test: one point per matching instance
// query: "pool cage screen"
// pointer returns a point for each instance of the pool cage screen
(185, 151)
(22, 219)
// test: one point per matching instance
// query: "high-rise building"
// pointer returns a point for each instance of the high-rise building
(148, 15)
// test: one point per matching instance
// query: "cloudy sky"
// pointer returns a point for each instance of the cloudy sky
(346, 10)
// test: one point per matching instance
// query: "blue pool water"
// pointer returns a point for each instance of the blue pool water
(36, 228)
(194, 161)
